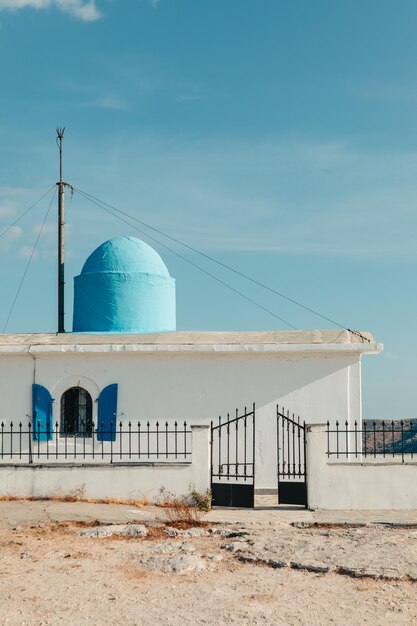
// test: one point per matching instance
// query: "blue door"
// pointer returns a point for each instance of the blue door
(42, 413)
(107, 414)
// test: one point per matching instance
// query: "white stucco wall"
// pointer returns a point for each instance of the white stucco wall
(196, 384)
(338, 485)
(141, 481)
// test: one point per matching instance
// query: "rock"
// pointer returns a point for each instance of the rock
(235, 546)
(311, 567)
(250, 558)
(214, 557)
(227, 532)
(186, 547)
(25, 555)
(170, 547)
(392, 574)
(58, 554)
(174, 564)
(354, 572)
(125, 530)
(135, 530)
(189, 532)
(277, 563)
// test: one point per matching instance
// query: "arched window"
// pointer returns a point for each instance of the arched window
(76, 413)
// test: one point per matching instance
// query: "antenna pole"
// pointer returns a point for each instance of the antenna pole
(61, 251)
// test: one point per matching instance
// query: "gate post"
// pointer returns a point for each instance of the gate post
(316, 460)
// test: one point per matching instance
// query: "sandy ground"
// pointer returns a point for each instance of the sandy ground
(51, 575)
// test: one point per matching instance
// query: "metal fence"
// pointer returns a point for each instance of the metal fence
(377, 439)
(128, 442)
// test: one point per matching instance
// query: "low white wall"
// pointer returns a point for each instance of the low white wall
(356, 485)
(142, 481)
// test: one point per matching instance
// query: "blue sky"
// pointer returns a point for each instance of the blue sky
(278, 136)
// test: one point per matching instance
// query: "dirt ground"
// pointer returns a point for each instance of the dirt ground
(52, 575)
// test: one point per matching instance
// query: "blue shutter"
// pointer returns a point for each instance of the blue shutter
(41, 413)
(107, 414)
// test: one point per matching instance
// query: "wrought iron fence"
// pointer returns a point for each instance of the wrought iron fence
(376, 439)
(128, 442)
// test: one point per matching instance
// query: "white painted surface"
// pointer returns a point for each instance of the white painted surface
(195, 381)
(100, 481)
(351, 485)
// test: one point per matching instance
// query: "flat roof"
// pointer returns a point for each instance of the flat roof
(194, 341)
(191, 337)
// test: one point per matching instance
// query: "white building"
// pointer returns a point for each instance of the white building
(114, 370)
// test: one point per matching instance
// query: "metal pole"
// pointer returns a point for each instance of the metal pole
(61, 223)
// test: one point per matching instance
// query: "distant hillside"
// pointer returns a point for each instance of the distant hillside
(391, 436)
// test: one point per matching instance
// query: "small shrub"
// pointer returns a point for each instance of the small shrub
(203, 500)
(180, 512)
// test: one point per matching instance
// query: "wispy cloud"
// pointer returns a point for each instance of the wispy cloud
(395, 92)
(11, 201)
(96, 94)
(124, 81)
(325, 198)
(189, 96)
(109, 101)
(6, 210)
(26, 252)
(15, 232)
(287, 197)
(84, 10)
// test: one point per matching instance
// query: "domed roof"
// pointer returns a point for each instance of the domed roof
(125, 255)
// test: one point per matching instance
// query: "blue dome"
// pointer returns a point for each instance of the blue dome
(124, 287)
(125, 254)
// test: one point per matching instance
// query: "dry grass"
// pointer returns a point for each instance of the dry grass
(137, 503)
(156, 533)
(180, 512)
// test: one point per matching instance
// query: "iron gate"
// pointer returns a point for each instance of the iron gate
(291, 446)
(233, 460)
